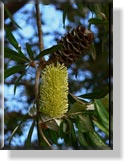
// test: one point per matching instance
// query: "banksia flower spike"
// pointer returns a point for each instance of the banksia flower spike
(54, 91)
(75, 44)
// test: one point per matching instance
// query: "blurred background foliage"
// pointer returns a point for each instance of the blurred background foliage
(89, 77)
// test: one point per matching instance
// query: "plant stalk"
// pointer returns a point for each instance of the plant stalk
(38, 73)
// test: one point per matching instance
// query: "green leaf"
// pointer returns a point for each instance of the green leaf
(93, 51)
(84, 124)
(13, 55)
(102, 114)
(97, 21)
(97, 94)
(82, 139)
(101, 127)
(71, 133)
(28, 140)
(105, 102)
(97, 140)
(52, 135)
(62, 128)
(12, 39)
(14, 131)
(80, 4)
(15, 69)
(73, 99)
(49, 51)
(17, 81)
(11, 18)
(64, 17)
(52, 125)
(30, 52)
(77, 107)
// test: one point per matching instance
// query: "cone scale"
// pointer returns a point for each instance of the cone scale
(75, 44)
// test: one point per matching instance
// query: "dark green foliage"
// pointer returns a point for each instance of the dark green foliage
(13, 70)
(28, 140)
(11, 18)
(13, 55)
(86, 124)
(49, 51)
(30, 52)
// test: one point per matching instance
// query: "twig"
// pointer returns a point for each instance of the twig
(41, 46)
(44, 138)
(38, 72)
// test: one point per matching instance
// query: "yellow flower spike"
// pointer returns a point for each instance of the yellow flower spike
(54, 91)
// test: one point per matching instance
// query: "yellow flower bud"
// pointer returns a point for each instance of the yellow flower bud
(54, 91)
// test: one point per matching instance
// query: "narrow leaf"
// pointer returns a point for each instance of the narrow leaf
(49, 51)
(17, 81)
(11, 38)
(64, 17)
(13, 70)
(101, 127)
(11, 18)
(82, 140)
(102, 114)
(28, 140)
(77, 107)
(84, 124)
(97, 141)
(13, 55)
(14, 131)
(30, 52)
(93, 52)
(97, 21)
(97, 94)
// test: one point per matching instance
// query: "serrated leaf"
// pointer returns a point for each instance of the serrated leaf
(28, 140)
(30, 52)
(11, 18)
(15, 69)
(49, 51)
(13, 55)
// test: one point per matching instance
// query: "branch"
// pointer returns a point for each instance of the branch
(38, 72)
(44, 138)
(39, 25)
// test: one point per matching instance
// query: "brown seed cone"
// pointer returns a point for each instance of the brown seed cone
(75, 44)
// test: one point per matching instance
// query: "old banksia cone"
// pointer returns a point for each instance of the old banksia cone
(54, 91)
(75, 44)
